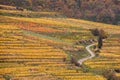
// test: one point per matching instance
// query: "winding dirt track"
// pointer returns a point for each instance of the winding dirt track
(88, 57)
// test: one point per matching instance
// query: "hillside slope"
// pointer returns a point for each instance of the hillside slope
(37, 48)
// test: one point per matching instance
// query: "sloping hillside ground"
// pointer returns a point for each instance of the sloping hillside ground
(39, 46)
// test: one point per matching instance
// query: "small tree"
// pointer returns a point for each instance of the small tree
(101, 34)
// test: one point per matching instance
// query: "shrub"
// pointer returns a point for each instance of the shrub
(7, 77)
(74, 61)
(109, 74)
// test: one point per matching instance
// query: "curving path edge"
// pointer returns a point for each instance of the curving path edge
(88, 57)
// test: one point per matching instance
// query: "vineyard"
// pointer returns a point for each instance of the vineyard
(40, 48)
(22, 57)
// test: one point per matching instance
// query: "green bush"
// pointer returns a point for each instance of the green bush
(7, 77)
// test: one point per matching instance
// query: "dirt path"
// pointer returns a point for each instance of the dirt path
(88, 57)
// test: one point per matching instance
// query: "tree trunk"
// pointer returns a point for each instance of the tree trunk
(100, 42)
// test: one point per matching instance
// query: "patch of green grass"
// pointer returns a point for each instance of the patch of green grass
(69, 36)
(44, 37)
(77, 54)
